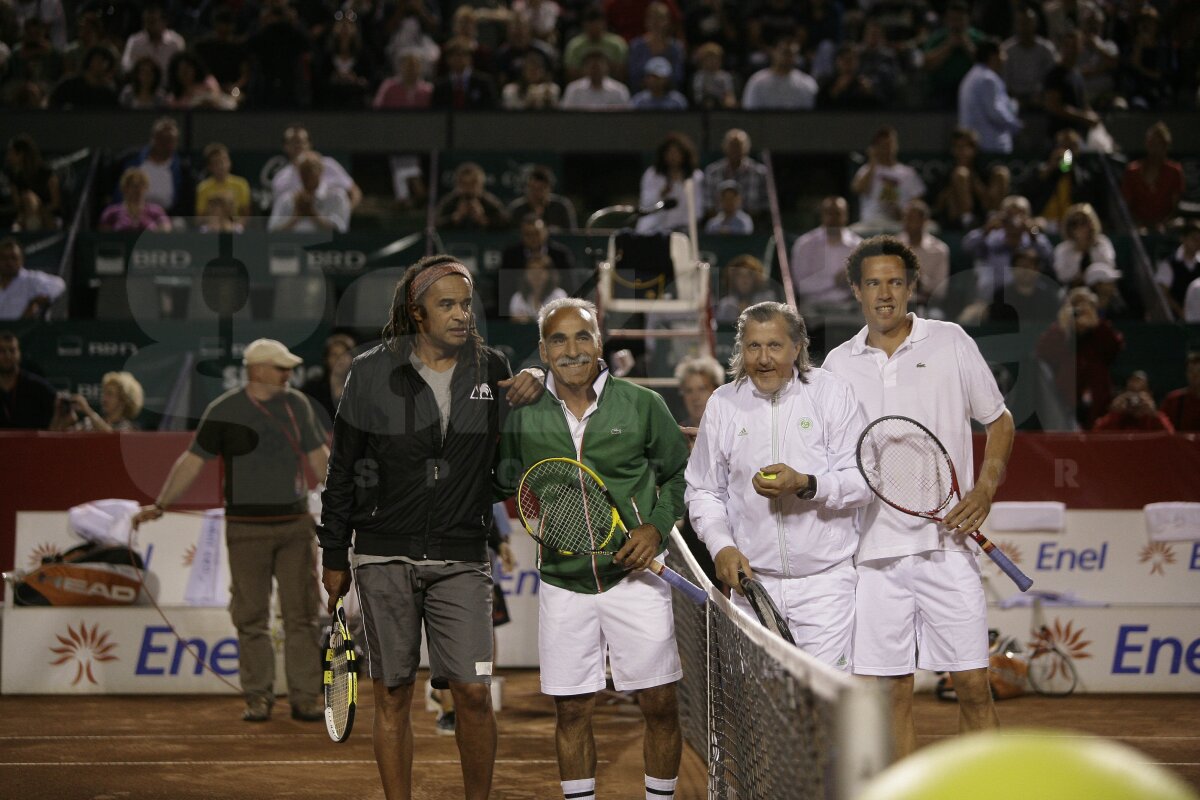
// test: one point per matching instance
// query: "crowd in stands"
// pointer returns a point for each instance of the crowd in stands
(1073, 58)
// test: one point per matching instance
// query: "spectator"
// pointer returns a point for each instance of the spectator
(992, 246)
(1181, 406)
(1102, 279)
(315, 206)
(849, 88)
(698, 378)
(462, 88)
(519, 45)
(539, 285)
(819, 258)
(190, 85)
(34, 60)
(595, 36)
(542, 17)
(960, 202)
(781, 85)
(470, 205)
(535, 243)
(406, 89)
(766, 22)
(93, 87)
(949, 53)
(1098, 59)
(220, 215)
(1148, 64)
(657, 41)
(296, 143)
(535, 91)
(1065, 96)
(745, 285)
(737, 165)
(281, 55)
(674, 165)
(933, 255)
(226, 54)
(343, 67)
(539, 199)
(121, 398)
(595, 91)
(1031, 299)
(465, 30)
(1179, 270)
(220, 180)
(627, 18)
(880, 64)
(885, 186)
(154, 41)
(1027, 59)
(143, 90)
(171, 185)
(712, 86)
(1079, 348)
(134, 211)
(24, 293)
(1153, 185)
(89, 33)
(658, 94)
(1064, 179)
(34, 185)
(49, 13)
(26, 400)
(411, 25)
(1084, 243)
(712, 22)
(1134, 411)
(324, 389)
(730, 219)
(983, 102)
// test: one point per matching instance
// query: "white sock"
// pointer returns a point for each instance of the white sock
(583, 789)
(660, 788)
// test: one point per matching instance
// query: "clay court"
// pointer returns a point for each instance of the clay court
(177, 748)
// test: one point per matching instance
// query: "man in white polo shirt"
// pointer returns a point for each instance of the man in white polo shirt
(920, 601)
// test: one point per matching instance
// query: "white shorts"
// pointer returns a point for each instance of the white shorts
(632, 622)
(925, 610)
(819, 610)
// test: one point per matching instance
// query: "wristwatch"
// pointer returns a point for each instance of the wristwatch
(810, 491)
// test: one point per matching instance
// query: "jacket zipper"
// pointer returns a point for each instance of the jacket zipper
(778, 502)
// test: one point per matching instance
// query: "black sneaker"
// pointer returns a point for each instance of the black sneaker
(258, 709)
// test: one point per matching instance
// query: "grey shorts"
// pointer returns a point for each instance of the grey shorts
(455, 603)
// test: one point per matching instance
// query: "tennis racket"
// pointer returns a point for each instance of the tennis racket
(764, 607)
(341, 678)
(565, 506)
(910, 470)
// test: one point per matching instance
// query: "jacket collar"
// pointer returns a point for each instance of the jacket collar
(598, 385)
(920, 330)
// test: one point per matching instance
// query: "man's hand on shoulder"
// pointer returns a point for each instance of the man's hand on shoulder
(524, 388)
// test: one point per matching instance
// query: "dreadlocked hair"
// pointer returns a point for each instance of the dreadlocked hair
(402, 327)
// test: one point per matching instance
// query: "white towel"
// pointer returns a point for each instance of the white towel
(1173, 522)
(1030, 516)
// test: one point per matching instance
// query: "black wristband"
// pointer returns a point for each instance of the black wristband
(810, 491)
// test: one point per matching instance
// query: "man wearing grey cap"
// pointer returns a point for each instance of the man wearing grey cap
(268, 437)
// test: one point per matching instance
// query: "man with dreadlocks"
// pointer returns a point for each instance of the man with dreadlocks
(410, 479)
(772, 485)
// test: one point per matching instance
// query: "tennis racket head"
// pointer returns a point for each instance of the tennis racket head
(340, 677)
(764, 607)
(565, 506)
(907, 467)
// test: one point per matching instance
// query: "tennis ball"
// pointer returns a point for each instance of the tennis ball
(1029, 764)
(770, 476)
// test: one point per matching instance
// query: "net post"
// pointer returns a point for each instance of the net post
(863, 736)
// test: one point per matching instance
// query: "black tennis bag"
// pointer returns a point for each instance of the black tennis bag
(90, 574)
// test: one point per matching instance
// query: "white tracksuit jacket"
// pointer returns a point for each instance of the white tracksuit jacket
(812, 427)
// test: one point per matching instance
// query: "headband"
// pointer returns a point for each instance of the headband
(421, 283)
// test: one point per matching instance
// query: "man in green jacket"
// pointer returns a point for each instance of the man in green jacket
(590, 604)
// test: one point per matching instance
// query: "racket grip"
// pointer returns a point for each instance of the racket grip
(1002, 561)
(691, 590)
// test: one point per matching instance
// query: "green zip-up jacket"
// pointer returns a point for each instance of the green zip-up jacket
(631, 441)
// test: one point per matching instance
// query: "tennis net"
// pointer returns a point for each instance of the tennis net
(769, 720)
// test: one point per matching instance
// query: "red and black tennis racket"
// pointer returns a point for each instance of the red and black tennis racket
(910, 470)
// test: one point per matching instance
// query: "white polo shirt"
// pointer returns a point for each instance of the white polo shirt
(939, 378)
(24, 287)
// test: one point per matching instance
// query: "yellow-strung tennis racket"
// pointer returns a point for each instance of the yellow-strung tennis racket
(341, 677)
(565, 506)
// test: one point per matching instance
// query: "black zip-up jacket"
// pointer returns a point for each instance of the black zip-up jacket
(393, 482)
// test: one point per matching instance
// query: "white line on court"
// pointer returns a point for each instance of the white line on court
(1061, 735)
(287, 763)
(121, 736)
